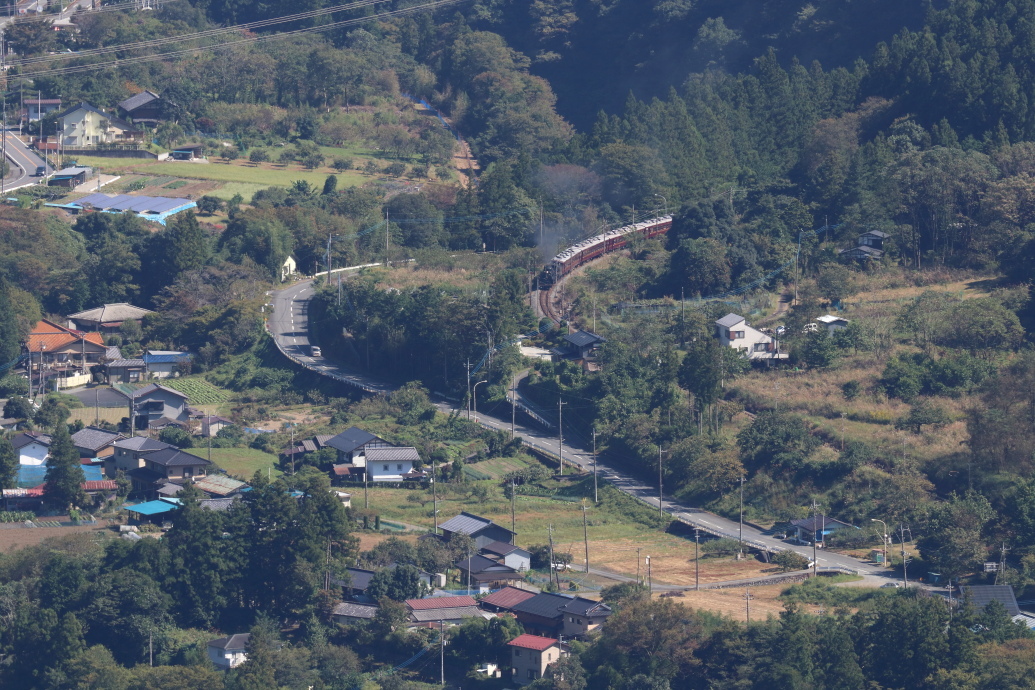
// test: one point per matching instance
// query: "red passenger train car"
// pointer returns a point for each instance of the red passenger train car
(598, 245)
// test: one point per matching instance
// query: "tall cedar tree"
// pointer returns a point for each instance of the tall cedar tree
(8, 465)
(10, 342)
(64, 476)
(188, 247)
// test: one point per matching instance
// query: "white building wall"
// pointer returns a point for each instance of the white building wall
(33, 454)
(388, 471)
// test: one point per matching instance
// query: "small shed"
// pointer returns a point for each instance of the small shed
(154, 511)
(187, 152)
(832, 323)
(817, 527)
(70, 177)
(353, 612)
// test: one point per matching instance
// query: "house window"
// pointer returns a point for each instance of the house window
(517, 652)
(399, 467)
(760, 347)
(188, 471)
(531, 674)
(385, 468)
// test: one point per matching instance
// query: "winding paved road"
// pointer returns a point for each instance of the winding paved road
(23, 163)
(289, 327)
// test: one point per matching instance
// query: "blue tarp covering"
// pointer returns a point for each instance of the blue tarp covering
(34, 475)
(162, 505)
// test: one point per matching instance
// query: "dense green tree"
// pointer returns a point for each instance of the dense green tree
(953, 541)
(776, 440)
(700, 267)
(64, 477)
(10, 338)
(8, 465)
(398, 583)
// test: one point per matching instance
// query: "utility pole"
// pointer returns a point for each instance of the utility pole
(902, 543)
(552, 569)
(741, 516)
(596, 498)
(387, 229)
(638, 580)
(366, 492)
(650, 580)
(513, 408)
(442, 652)
(560, 433)
(661, 501)
(292, 449)
(585, 533)
(434, 489)
(747, 602)
(468, 389)
(697, 558)
(815, 540)
(513, 519)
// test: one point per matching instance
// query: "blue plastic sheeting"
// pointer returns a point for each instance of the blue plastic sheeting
(155, 507)
(34, 475)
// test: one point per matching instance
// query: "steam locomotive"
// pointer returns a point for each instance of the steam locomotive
(598, 245)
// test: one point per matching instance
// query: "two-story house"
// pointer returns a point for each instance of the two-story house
(60, 353)
(508, 554)
(85, 126)
(169, 465)
(560, 614)
(143, 108)
(156, 405)
(530, 656)
(352, 445)
(230, 651)
(733, 331)
(129, 454)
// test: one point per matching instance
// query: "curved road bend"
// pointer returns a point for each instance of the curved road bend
(289, 326)
(24, 160)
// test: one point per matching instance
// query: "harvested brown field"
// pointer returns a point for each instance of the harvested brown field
(765, 602)
(671, 561)
(12, 538)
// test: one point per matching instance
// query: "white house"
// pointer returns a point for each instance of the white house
(832, 323)
(32, 448)
(230, 651)
(732, 331)
(391, 464)
(288, 269)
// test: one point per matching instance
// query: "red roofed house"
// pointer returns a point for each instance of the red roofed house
(451, 610)
(530, 655)
(505, 599)
(56, 351)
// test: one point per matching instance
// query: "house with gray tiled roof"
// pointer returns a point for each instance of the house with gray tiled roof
(94, 442)
(482, 530)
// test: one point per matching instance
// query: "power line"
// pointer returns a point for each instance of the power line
(208, 33)
(256, 39)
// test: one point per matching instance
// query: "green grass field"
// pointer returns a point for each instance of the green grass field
(242, 462)
(496, 467)
(198, 390)
(262, 176)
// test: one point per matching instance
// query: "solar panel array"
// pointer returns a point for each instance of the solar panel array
(137, 204)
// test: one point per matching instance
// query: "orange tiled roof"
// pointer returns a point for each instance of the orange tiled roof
(49, 336)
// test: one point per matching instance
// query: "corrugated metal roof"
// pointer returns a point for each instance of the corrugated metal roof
(587, 607)
(465, 523)
(405, 454)
(153, 507)
(440, 603)
(584, 338)
(508, 597)
(219, 484)
(174, 457)
(447, 614)
(120, 311)
(232, 642)
(354, 610)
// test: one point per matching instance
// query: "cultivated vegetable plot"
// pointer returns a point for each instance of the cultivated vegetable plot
(198, 391)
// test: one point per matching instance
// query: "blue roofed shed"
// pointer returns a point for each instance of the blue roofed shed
(156, 208)
(150, 509)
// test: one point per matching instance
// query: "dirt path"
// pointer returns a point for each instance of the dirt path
(786, 297)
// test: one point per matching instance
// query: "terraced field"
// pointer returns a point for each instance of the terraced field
(198, 391)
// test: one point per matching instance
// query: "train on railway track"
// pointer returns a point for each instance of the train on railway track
(599, 245)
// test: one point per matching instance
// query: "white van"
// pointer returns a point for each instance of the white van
(315, 351)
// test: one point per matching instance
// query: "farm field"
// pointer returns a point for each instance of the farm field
(495, 468)
(238, 171)
(70, 536)
(198, 390)
(241, 462)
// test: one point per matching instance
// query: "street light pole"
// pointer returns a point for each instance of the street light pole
(664, 200)
(474, 398)
(884, 540)
(697, 558)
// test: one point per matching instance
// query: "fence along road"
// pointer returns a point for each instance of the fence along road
(288, 325)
